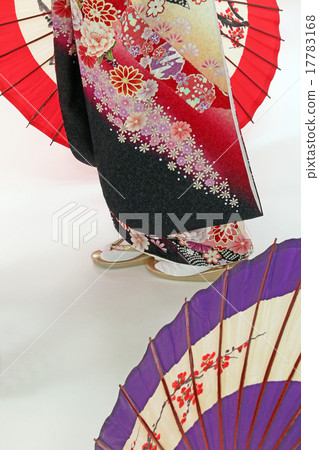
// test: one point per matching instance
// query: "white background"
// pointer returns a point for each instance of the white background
(71, 332)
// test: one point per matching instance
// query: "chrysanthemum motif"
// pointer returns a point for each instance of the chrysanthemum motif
(126, 80)
(180, 131)
(99, 11)
(62, 8)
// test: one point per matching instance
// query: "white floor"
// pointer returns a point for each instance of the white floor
(70, 332)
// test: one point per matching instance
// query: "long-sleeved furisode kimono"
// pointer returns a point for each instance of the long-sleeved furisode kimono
(146, 98)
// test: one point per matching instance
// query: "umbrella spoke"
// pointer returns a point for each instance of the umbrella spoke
(290, 424)
(191, 363)
(27, 44)
(250, 50)
(236, 100)
(42, 106)
(243, 374)
(252, 4)
(100, 444)
(147, 428)
(160, 371)
(26, 76)
(282, 395)
(25, 18)
(296, 444)
(265, 32)
(219, 386)
(56, 134)
(247, 76)
(271, 362)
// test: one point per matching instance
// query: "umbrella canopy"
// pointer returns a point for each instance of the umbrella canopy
(225, 372)
(250, 33)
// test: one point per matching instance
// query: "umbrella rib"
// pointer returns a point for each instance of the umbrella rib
(243, 374)
(271, 362)
(42, 106)
(280, 400)
(26, 18)
(26, 76)
(290, 424)
(252, 4)
(247, 76)
(100, 444)
(243, 109)
(296, 444)
(249, 49)
(191, 363)
(219, 386)
(147, 428)
(265, 32)
(26, 44)
(56, 134)
(160, 371)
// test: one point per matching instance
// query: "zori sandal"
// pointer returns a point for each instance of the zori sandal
(122, 260)
(211, 274)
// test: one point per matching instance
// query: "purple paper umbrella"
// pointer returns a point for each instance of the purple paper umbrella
(225, 373)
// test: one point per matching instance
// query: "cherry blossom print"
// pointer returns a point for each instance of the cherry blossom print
(190, 49)
(181, 377)
(150, 444)
(148, 90)
(212, 256)
(126, 80)
(180, 131)
(198, 2)
(139, 240)
(96, 37)
(240, 245)
(155, 7)
(135, 122)
(197, 91)
(62, 8)
(208, 361)
(99, 11)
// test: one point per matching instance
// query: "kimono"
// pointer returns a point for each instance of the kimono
(146, 98)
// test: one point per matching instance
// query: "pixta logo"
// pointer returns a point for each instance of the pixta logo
(74, 225)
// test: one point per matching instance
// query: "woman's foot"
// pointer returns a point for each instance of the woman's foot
(119, 254)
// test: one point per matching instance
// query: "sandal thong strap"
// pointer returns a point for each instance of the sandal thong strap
(117, 245)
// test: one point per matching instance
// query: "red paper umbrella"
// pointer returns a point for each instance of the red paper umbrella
(250, 33)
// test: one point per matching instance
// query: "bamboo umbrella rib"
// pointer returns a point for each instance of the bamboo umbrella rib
(241, 106)
(219, 387)
(249, 49)
(191, 363)
(296, 444)
(252, 4)
(247, 76)
(42, 106)
(243, 374)
(271, 362)
(57, 134)
(26, 76)
(290, 424)
(160, 371)
(100, 444)
(280, 400)
(26, 44)
(26, 18)
(147, 428)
